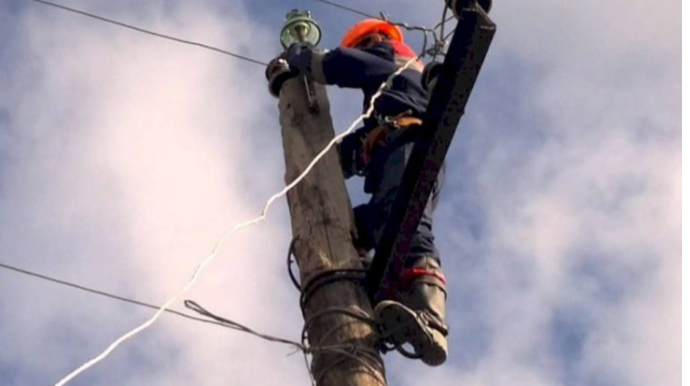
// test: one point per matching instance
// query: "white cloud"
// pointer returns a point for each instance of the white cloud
(131, 156)
(135, 155)
(583, 223)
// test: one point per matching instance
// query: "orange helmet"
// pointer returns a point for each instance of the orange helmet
(366, 27)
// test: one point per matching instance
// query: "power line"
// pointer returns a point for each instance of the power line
(212, 319)
(105, 294)
(225, 323)
(152, 33)
(206, 46)
(347, 9)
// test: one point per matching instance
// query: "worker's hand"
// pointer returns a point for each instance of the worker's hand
(299, 57)
(350, 152)
(277, 72)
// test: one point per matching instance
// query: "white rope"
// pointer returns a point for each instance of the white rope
(200, 268)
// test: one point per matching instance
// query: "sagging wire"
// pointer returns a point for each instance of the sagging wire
(231, 324)
(204, 263)
(348, 350)
(357, 354)
(323, 278)
(444, 20)
(290, 261)
(106, 294)
(194, 306)
(441, 25)
(439, 43)
(440, 38)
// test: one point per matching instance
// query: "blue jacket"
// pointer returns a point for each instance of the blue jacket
(365, 69)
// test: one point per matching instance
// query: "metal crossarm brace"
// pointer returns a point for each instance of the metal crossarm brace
(449, 97)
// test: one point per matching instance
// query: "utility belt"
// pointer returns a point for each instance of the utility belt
(378, 136)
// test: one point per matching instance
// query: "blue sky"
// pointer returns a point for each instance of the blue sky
(124, 158)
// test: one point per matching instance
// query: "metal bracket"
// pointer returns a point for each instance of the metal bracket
(311, 95)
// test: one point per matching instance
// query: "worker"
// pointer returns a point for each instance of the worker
(370, 52)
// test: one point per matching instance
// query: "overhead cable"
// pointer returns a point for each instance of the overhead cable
(152, 33)
(228, 53)
(235, 326)
(347, 9)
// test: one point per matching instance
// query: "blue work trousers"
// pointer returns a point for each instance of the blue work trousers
(382, 180)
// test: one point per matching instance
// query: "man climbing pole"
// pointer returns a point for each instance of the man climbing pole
(413, 311)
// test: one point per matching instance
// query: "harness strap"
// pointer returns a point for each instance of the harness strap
(377, 136)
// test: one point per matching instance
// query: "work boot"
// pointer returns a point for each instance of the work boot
(419, 318)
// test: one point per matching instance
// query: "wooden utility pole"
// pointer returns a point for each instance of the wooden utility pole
(344, 345)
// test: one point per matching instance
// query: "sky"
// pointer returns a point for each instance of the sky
(124, 158)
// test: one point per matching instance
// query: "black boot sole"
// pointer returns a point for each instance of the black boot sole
(401, 325)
